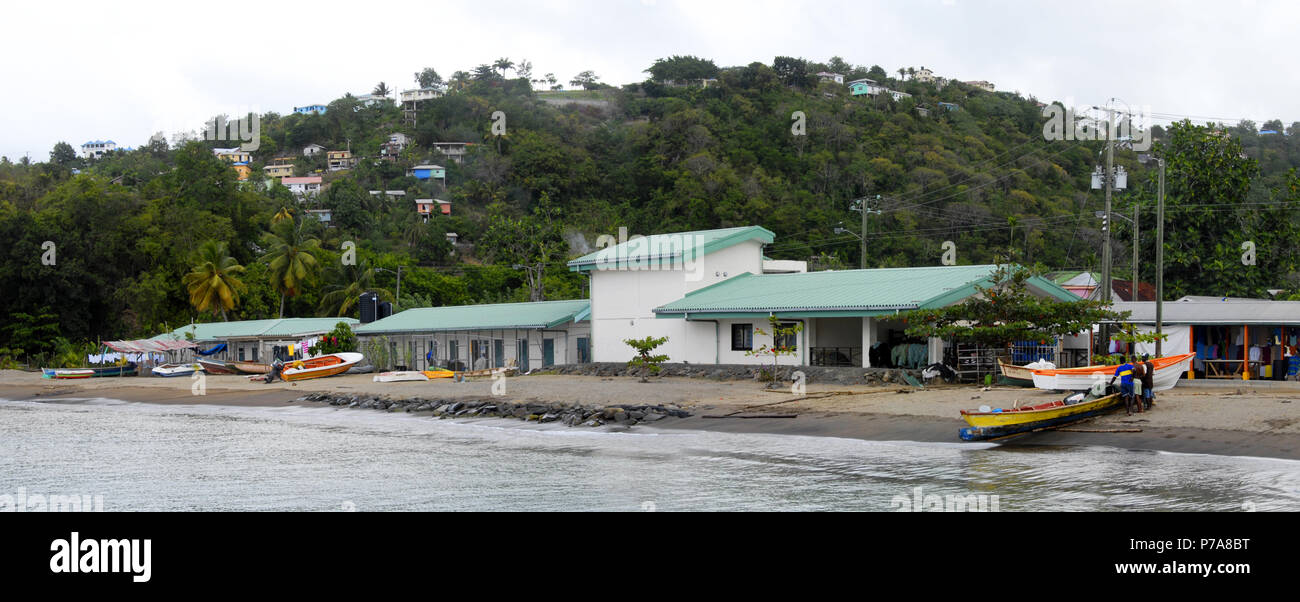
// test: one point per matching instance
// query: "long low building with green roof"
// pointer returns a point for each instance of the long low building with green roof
(471, 337)
(255, 340)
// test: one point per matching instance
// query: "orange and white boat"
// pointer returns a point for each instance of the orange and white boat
(1168, 371)
(320, 367)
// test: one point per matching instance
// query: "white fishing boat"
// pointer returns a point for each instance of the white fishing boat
(169, 370)
(399, 376)
(1168, 371)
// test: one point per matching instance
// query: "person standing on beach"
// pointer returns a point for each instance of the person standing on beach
(1125, 375)
(1148, 382)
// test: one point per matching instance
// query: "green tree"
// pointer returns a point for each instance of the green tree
(346, 284)
(1003, 310)
(782, 336)
(682, 69)
(381, 90)
(645, 358)
(428, 78)
(587, 80)
(214, 283)
(63, 154)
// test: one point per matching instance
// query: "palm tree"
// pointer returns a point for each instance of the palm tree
(291, 257)
(348, 283)
(911, 72)
(901, 72)
(214, 284)
(283, 214)
(503, 64)
(382, 90)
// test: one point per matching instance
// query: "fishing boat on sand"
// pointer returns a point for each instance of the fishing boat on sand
(320, 367)
(1020, 376)
(988, 423)
(129, 369)
(212, 367)
(171, 370)
(412, 375)
(248, 367)
(1168, 371)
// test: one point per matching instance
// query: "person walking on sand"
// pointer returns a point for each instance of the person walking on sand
(1148, 382)
(1125, 375)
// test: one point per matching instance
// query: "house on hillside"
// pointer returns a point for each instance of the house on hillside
(868, 87)
(455, 151)
(304, 187)
(981, 84)
(826, 76)
(312, 150)
(95, 149)
(338, 160)
(428, 171)
(924, 76)
(427, 207)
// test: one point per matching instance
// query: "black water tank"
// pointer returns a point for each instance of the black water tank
(369, 308)
(385, 310)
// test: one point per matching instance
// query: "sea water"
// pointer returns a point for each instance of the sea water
(140, 456)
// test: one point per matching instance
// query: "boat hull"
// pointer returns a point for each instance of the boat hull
(249, 367)
(400, 376)
(174, 370)
(991, 425)
(128, 370)
(1016, 375)
(320, 367)
(212, 367)
(1168, 371)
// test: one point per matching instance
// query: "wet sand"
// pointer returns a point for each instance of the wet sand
(1240, 421)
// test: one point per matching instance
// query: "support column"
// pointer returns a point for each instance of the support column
(868, 339)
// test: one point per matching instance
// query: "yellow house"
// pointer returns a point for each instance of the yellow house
(279, 170)
(243, 170)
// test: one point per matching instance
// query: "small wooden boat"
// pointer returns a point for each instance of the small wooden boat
(1168, 371)
(248, 367)
(212, 367)
(170, 370)
(1002, 422)
(129, 369)
(320, 367)
(1016, 375)
(486, 372)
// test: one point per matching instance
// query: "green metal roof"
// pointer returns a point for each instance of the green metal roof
(540, 314)
(275, 327)
(666, 249)
(841, 293)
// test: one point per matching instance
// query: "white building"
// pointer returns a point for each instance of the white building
(97, 148)
(981, 84)
(304, 187)
(924, 75)
(712, 292)
(312, 149)
(827, 76)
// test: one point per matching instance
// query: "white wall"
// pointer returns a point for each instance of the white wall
(565, 337)
(623, 302)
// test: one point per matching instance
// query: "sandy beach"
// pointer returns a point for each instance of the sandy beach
(1242, 420)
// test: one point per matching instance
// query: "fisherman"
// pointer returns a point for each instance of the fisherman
(276, 367)
(1148, 382)
(1125, 375)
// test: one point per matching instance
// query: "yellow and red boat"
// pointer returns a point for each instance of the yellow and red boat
(1001, 422)
(320, 367)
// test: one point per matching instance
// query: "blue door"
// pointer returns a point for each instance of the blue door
(548, 352)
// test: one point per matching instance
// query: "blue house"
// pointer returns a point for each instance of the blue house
(428, 171)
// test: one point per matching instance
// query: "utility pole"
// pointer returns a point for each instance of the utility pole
(1108, 177)
(862, 208)
(1160, 260)
(1134, 295)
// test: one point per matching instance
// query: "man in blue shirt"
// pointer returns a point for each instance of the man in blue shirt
(1125, 375)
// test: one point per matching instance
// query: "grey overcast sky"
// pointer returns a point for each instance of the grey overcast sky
(124, 70)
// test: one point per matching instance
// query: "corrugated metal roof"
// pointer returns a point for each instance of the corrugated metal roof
(540, 314)
(859, 292)
(274, 327)
(885, 289)
(667, 247)
(1230, 312)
